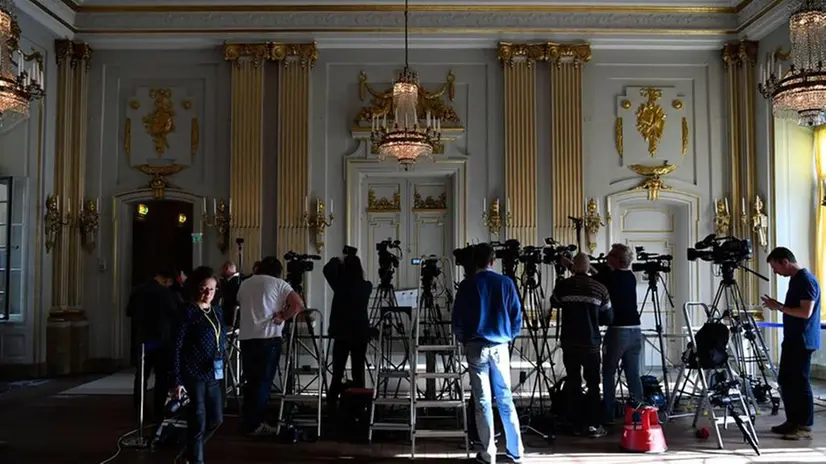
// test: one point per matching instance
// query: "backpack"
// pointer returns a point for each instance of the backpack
(712, 340)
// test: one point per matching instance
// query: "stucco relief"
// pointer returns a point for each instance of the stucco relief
(426, 19)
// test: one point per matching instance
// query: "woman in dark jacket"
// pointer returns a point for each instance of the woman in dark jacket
(349, 320)
(198, 361)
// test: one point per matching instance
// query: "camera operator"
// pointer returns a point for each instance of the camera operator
(487, 316)
(586, 305)
(623, 340)
(349, 320)
(266, 303)
(801, 338)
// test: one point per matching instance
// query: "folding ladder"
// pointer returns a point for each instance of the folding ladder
(303, 384)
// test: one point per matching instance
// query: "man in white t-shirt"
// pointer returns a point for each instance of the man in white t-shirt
(266, 302)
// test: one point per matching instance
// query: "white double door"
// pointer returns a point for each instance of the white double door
(416, 211)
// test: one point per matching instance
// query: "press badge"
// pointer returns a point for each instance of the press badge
(218, 367)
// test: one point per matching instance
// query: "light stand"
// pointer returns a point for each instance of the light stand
(138, 441)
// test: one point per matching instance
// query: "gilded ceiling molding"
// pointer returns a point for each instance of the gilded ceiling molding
(74, 52)
(304, 53)
(739, 52)
(555, 53)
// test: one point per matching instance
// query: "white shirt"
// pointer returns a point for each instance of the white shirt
(260, 297)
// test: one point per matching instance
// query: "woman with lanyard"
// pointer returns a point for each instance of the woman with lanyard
(198, 362)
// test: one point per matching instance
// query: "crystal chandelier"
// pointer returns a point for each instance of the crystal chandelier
(18, 85)
(404, 137)
(799, 92)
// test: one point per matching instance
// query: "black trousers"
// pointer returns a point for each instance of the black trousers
(205, 414)
(579, 363)
(259, 360)
(357, 352)
(794, 378)
(157, 360)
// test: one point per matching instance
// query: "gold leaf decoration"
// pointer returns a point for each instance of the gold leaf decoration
(429, 203)
(383, 205)
(651, 119)
(618, 135)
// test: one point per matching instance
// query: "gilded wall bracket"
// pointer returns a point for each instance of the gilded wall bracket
(88, 224)
(305, 54)
(592, 222)
(653, 183)
(318, 222)
(551, 52)
(722, 218)
(220, 220)
(54, 221)
(758, 221)
(493, 218)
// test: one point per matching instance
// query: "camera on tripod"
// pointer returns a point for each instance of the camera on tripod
(350, 250)
(298, 263)
(723, 250)
(388, 261)
(651, 263)
(556, 253)
(464, 258)
(601, 259)
(508, 251)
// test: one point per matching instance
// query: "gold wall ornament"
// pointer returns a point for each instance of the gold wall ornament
(618, 135)
(186, 104)
(677, 104)
(158, 183)
(88, 224)
(74, 52)
(654, 183)
(306, 54)
(381, 102)
(318, 222)
(651, 118)
(161, 121)
(554, 53)
(127, 137)
(194, 136)
(684, 149)
(492, 219)
(430, 203)
(54, 220)
(134, 104)
(221, 220)
(592, 223)
(383, 205)
(626, 104)
(722, 218)
(739, 52)
(760, 223)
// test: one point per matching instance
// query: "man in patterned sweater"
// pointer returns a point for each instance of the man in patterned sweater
(585, 305)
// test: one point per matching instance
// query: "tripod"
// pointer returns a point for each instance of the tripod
(434, 331)
(386, 298)
(743, 326)
(654, 277)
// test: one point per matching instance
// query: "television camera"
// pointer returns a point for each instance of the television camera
(464, 259)
(600, 259)
(651, 263)
(723, 250)
(388, 260)
(349, 250)
(509, 253)
(297, 265)
(555, 253)
(429, 270)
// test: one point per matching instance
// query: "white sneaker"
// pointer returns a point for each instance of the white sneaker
(263, 430)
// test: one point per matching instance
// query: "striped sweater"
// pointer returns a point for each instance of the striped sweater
(585, 305)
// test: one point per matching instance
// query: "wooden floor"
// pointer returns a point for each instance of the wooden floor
(42, 426)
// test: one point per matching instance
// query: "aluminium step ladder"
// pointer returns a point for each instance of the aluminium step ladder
(451, 375)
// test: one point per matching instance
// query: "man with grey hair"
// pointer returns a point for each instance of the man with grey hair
(623, 340)
(585, 305)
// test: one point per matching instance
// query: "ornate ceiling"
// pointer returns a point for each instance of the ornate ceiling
(434, 24)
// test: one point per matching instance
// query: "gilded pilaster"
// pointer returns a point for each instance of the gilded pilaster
(739, 59)
(246, 144)
(565, 63)
(73, 60)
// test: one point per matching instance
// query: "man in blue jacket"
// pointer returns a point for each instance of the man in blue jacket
(487, 316)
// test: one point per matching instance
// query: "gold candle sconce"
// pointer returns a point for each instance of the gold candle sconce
(492, 219)
(592, 223)
(221, 219)
(54, 220)
(760, 223)
(318, 222)
(89, 223)
(722, 218)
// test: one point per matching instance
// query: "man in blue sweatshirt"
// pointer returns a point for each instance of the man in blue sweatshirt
(487, 316)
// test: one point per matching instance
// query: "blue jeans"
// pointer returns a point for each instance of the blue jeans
(206, 413)
(490, 368)
(794, 378)
(621, 344)
(259, 359)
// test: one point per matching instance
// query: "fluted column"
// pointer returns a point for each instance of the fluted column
(519, 62)
(73, 60)
(739, 59)
(246, 144)
(565, 73)
(293, 158)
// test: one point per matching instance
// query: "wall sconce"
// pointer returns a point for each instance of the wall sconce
(141, 211)
(493, 219)
(221, 219)
(722, 218)
(89, 223)
(760, 223)
(181, 220)
(54, 221)
(319, 222)
(592, 222)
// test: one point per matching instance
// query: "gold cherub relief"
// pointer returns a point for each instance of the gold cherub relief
(161, 121)
(651, 118)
